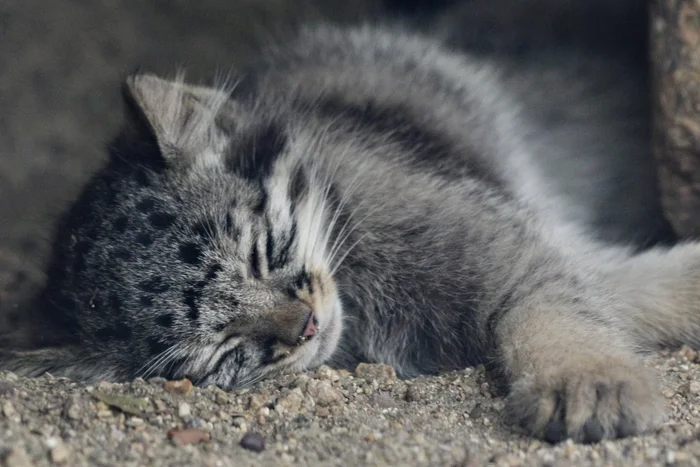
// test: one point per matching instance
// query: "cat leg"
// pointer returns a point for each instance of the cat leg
(571, 369)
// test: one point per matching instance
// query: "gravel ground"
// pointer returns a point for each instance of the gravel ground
(60, 67)
(325, 417)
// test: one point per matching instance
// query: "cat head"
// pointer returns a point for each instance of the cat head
(200, 250)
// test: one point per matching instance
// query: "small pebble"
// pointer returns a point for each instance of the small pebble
(383, 401)
(690, 354)
(375, 372)
(160, 405)
(253, 442)
(412, 394)
(694, 387)
(183, 386)
(476, 412)
(73, 411)
(670, 457)
(505, 460)
(9, 410)
(292, 401)
(134, 422)
(10, 376)
(6, 388)
(326, 372)
(193, 422)
(324, 393)
(184, 410)
(60, 454)
(188, 436)
(238, 421)
(256, 401)
(17, 457)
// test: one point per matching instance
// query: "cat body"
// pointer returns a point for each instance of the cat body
(367, 194)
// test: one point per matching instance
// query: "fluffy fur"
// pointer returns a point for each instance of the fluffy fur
(442, 209)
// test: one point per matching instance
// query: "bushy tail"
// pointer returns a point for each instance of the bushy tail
(661, 292)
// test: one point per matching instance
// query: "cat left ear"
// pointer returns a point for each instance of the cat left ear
(180, 117)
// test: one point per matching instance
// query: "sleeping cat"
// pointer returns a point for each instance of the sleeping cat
(368, 194)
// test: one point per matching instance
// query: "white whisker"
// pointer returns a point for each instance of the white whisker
(340, 262)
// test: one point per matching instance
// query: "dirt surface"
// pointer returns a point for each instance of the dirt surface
(61, 63)
(325, 417)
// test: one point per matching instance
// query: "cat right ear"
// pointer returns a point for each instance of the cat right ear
(179, 117)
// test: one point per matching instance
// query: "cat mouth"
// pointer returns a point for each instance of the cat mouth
(310, 329)
(286, 354)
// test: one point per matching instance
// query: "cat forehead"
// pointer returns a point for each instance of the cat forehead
(205, 127)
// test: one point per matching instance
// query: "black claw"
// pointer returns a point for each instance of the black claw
(625, 427)
(592, 431)
(601, 390)
(556, 431)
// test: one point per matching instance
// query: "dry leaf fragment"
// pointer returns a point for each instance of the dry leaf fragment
(127, 404)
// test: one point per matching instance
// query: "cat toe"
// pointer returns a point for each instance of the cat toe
(605, 401)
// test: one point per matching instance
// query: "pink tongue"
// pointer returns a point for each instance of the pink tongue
(310, 329)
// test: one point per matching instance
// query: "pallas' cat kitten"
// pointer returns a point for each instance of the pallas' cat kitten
(366, 194)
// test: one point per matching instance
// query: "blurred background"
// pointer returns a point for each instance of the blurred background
(62, 63)
(61, 67)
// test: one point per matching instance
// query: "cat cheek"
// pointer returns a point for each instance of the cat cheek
(321, 295)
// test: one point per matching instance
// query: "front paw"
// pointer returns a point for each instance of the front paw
(587, 399)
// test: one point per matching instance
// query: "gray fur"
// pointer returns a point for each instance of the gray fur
(411, 195)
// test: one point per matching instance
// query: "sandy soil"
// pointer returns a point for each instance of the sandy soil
(324, 417)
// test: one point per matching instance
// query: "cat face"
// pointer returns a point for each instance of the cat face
(199, 251)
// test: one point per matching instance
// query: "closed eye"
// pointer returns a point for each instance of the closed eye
(255, 261)
(278, 253)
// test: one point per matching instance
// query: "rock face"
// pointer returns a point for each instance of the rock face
(675, 38)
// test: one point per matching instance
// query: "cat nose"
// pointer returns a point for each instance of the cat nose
(294, 323)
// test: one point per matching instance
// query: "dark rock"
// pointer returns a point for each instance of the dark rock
(253, 442)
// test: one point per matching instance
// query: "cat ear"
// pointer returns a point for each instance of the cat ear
(181, 117)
